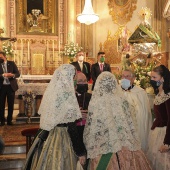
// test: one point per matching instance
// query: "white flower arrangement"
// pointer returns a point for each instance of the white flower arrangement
(7, 48)
(71, 50)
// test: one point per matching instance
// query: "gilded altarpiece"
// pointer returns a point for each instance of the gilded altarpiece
(32, 21)
(121, 12)
(38, 50)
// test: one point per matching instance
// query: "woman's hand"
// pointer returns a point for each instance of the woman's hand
(82, 160)
(164, 148)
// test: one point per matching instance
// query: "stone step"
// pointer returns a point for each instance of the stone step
(15, 147)
(14, 156)
(12, 161)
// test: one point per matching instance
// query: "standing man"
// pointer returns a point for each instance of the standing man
(99, 67)
(81, 65)
(8, 85)
(138, 98)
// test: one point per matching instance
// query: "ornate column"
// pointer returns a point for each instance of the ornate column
(71, 20)
(160, 23)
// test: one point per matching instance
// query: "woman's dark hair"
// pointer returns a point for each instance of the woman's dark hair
(163, 72)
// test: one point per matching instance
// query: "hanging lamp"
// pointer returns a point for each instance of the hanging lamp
(88, 16)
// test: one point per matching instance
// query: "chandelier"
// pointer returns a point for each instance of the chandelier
(88, 16)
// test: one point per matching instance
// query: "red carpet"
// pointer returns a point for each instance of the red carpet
(13, 133)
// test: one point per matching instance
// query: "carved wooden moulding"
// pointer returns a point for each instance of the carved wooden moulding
(121, 10)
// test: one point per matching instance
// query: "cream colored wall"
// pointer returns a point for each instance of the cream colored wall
(106, 24)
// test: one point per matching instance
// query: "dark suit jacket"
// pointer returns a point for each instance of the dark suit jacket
(12, 68)
(86, 69)
(95, 71)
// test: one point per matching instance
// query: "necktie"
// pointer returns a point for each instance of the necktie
(4, 68)
(101, 67)
(5, 71)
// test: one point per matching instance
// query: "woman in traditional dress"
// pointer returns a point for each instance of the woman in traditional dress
(109, 135)
(159, 137)
(58, 146)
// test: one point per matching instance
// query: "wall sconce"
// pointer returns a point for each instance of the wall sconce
(88, 16)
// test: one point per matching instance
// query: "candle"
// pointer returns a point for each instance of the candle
(28, 50)
(21, 54)
(47, 48)
(59, 47)
(53, 50)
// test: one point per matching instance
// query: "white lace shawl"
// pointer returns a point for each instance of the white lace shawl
(109, 124)
(161, 98)
(59, 103)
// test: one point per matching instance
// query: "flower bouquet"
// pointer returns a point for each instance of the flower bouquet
(71, 50)
(7, 48)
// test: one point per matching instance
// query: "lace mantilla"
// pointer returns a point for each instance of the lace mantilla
(59, 103)
(161, 98)
(109, 124)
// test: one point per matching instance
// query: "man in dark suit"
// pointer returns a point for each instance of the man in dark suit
(8, 85)
(81, 65)
(99, 67)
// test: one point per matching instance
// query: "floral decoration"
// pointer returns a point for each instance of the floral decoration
(143, 75)
(7, 48)
(28, 97)
(71, 50)
(142, 70)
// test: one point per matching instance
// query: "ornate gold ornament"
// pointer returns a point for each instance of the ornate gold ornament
(45, 22)
(111, 47)
(121, 10)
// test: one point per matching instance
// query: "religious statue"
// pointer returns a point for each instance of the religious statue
(36, 21)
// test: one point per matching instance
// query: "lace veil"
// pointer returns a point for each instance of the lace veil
(59, 103)
(109, 124)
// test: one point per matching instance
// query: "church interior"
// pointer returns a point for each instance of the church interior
(38, 34)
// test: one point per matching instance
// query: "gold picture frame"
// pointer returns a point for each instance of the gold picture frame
(46, 22)
(121, 10)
